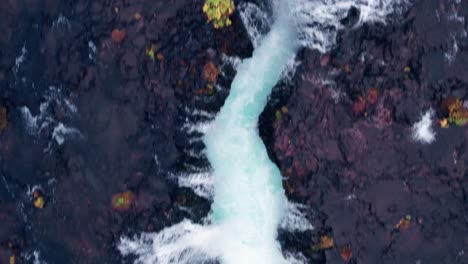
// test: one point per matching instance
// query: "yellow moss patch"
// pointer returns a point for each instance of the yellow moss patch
(38, 201)
(122, 201)
(326, 242)
(404, 223)
(218, 12)
(458, 115)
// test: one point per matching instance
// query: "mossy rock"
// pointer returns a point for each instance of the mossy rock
(218, 12)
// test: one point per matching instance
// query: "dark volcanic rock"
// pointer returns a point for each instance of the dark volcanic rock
(362, 171)
(61, 69)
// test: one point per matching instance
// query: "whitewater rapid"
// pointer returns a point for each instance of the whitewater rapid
(248, 201)
(241, 166)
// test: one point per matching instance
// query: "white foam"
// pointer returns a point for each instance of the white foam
(197, 178)
(20, 59)
(61, 132)
(296, 258)
(183, 243)
(35, 257)
(320, 20)
(256, 21)
(70, 106)
(195, 154)
(194, 140)
(200, 113)
(54, 94)
(31, 191)
(295, 219)
(194, 168)
(422, 130)
(232, 61)
(36, 123)
(200, 127)
(290, 70)
(201, 183)
(451, 54)
(92, 50)
(61, 21)
(335, 92)
(350, 197)
(188, 242)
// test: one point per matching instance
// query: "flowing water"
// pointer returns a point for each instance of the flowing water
(249, 203)
(239, 159)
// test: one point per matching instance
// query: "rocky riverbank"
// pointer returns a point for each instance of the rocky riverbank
(345, 140)
(94, 96)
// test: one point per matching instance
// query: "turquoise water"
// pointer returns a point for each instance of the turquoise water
(249, 196)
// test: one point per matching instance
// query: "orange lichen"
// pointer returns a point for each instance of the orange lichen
(210, 72)
(448, 104)
(326, 242)
(404, 223)
(123, 201)
(117, 35)
(457, 114)
(208, 90)
(137, 16)
(160, 56)
(346, 253)
(459, 117)
(372, 96)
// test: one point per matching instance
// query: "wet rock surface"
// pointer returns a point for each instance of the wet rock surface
(346, 146)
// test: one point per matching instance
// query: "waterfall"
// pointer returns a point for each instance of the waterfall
(249, 200)
(249, 203)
